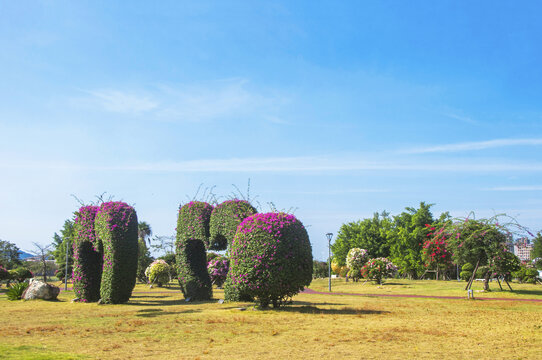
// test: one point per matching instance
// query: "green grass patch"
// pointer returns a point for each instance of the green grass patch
(26, 352)
(158, 323)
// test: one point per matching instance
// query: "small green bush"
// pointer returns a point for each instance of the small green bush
(158, 272)
(225, 219)
(466, 272)
(15, 291)
(20, 274)
(4, 274)
(481, 272)
(116, 228)
(378, 269)
(531, 275)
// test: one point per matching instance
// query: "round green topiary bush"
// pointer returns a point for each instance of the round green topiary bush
(225, 219)
(270, 258)
(20, 274)
(87, 256)
(116, 228)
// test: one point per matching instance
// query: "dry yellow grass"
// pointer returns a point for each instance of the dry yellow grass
(160, 325)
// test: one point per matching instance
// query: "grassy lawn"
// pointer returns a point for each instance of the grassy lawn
(157, 323)
(430, 288)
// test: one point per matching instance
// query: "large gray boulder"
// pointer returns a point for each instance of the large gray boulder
(40, 290)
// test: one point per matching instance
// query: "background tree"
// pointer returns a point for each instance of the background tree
(536, 253)
(319, 269)
(144, 259)
(163, 245)
(144, 231)
(478, 242)
(407, 237)
(42, 252)
(369, 234)
(60, 244)
(9, 255)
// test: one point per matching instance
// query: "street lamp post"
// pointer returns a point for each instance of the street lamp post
(329, 236)
(66, 269)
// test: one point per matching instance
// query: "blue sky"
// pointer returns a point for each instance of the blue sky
(336, 109)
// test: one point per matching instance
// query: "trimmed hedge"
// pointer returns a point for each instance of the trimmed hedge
(116, 227)
(192, 274)
(193, 221)
(270, 258)
(87, 256)
(191, 244)
(225, 219)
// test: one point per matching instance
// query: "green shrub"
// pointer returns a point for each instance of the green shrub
(482, 272)
(225, 219)
(116, 228)
(270, 258)
(87, 256)
(378, 269)
(193, 221)
(4, 274)
(466, 271)
(15, 291)
(61, 273)
(354, 274)
(20, 274)
(191, 244)
(343, 271)
(319, 269)
(531, 275)
(158, 272)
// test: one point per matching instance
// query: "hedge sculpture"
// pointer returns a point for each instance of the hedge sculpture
(87, 254)
(116, 228)
(192, 241)
(270, 258)
(225, 219)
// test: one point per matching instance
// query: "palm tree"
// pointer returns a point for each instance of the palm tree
(144, 231)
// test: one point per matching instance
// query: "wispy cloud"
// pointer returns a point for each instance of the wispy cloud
(220, 99)
(123, 102)
(515, 188)
(476, 145)
(288, 164)
(462, 118)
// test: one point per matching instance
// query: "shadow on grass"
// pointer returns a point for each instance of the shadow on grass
(150, 313)
(307, 309)
(158, 300)
(527, 292)
(306, 303)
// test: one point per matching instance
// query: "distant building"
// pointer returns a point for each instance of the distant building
(523, 248)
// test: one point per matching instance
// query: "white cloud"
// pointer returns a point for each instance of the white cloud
(286, 164)
(123, 102)
(515, 188)
(476, 145)
(228, 98)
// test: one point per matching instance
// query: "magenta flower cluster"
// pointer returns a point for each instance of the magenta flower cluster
(270, 258)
